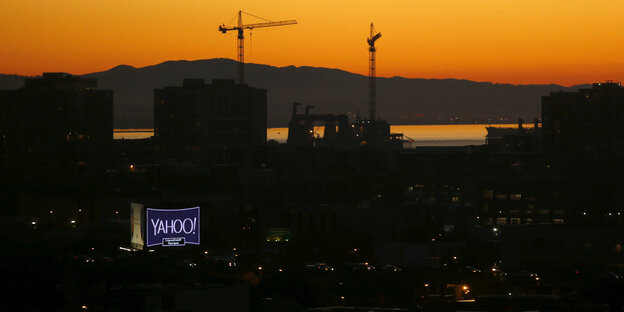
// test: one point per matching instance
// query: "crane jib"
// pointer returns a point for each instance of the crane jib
(240, 38)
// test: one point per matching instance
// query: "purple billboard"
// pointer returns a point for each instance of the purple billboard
(172, 227)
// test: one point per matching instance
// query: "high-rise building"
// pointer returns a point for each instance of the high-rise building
(583, 141)
(54, 126)
(210, 123)
(586, 123)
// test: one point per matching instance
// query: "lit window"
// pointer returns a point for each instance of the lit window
(501, 221)
(501, 196)
(515, 196)
(488, 194)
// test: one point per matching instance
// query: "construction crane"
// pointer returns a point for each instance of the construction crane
(241, 38)
(371, 71)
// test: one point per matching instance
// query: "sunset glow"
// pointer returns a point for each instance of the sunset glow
(521, 42)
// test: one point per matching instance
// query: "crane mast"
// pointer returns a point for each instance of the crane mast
(371, 71)
(241, 50)
(240, 27)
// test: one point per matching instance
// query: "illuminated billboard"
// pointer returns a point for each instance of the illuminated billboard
(172, 227)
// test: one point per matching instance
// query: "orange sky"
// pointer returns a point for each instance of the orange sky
(554, 41)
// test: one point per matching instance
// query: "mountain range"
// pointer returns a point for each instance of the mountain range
(399, 100)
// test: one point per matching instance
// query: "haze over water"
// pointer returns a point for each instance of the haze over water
(418, 135)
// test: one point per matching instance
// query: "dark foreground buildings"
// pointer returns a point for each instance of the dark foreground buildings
(201, 123)
(531, 213)
(587, 123)
(54, 126)
(583, 143)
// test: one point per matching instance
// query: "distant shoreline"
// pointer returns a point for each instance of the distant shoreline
(528, 124)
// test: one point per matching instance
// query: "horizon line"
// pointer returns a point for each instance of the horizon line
(303, 66)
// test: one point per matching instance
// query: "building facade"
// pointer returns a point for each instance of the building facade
(54, 126)
(584, 123)
(583, 143)
(201, 123)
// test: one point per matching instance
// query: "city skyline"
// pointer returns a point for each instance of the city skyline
(566, 43)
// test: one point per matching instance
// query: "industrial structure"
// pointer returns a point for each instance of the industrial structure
(240, 27)
(301, 129)
(371, 132)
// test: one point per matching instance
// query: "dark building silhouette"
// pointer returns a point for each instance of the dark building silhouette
(338, 132)
(301, 129)
(209, 123)
(514, 140)
(584, 123)
(583, 143)
(54, 126)
(376, 133)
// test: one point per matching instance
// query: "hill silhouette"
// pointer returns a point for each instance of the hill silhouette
(399, 100)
